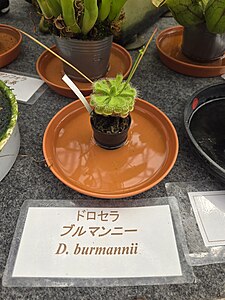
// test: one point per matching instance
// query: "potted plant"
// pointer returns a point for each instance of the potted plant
(9, 132)
(204, 27)
(83, 31)
(112, 101)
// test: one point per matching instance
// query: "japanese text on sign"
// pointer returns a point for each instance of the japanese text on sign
(96, 225)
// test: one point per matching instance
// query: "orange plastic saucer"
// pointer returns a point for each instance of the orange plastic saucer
(50, 69)
(10, 40)
(147, 157)
(169, 43)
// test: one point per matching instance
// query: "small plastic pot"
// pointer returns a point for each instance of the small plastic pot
(110, 141)
(201, 45)
(90, 57)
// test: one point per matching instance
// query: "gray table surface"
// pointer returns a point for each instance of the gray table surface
(31, 179)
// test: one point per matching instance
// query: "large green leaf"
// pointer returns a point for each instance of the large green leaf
(90, 15)
(116, 8)
(69, 17)
(186, 12)
(55, 7)
(104, 9)
(215, 16)
(45, 9)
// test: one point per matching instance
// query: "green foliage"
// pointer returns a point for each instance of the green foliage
(215, 16)
(113, 97)
(90, 15)
(77, 18)
(116, 8)
(194, 12)
(68, 13)
(104, 9)
(186, 12)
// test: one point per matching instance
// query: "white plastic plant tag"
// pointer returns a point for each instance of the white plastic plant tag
(77, 92)
(23, 87)
(66, 242)
(209, 210)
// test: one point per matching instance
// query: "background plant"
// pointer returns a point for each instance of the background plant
(90, 19)
(194, 12)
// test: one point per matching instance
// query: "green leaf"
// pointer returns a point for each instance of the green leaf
(55, 7)
(186, 12)
(68, 13)
(45, 9)
(116, 7)
(90, 15)
(215, 16)
(104, 9)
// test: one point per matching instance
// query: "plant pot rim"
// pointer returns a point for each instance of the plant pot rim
(111, 134)
(14, 116)
(83, 41)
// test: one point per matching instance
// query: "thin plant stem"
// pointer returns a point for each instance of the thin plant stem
(139, 58)
(58, 56)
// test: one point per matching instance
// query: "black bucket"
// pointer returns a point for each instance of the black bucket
(204, 119)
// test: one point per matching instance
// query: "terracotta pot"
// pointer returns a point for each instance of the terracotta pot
(110, 141)
(201, 45)
(90, 57)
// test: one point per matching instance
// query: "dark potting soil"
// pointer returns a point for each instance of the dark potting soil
(110, 124)
(5, 113)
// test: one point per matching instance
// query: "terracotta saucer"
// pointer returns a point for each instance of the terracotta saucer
(50, 69)
(168, 44)
(10, 40)
(147, 157)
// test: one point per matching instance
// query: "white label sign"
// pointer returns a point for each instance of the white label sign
(98, 242)
(209, 210)
(23, 87)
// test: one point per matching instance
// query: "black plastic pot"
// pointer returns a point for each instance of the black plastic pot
(204, 119)
(201, 45)
(90, 57)
(110, 141)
